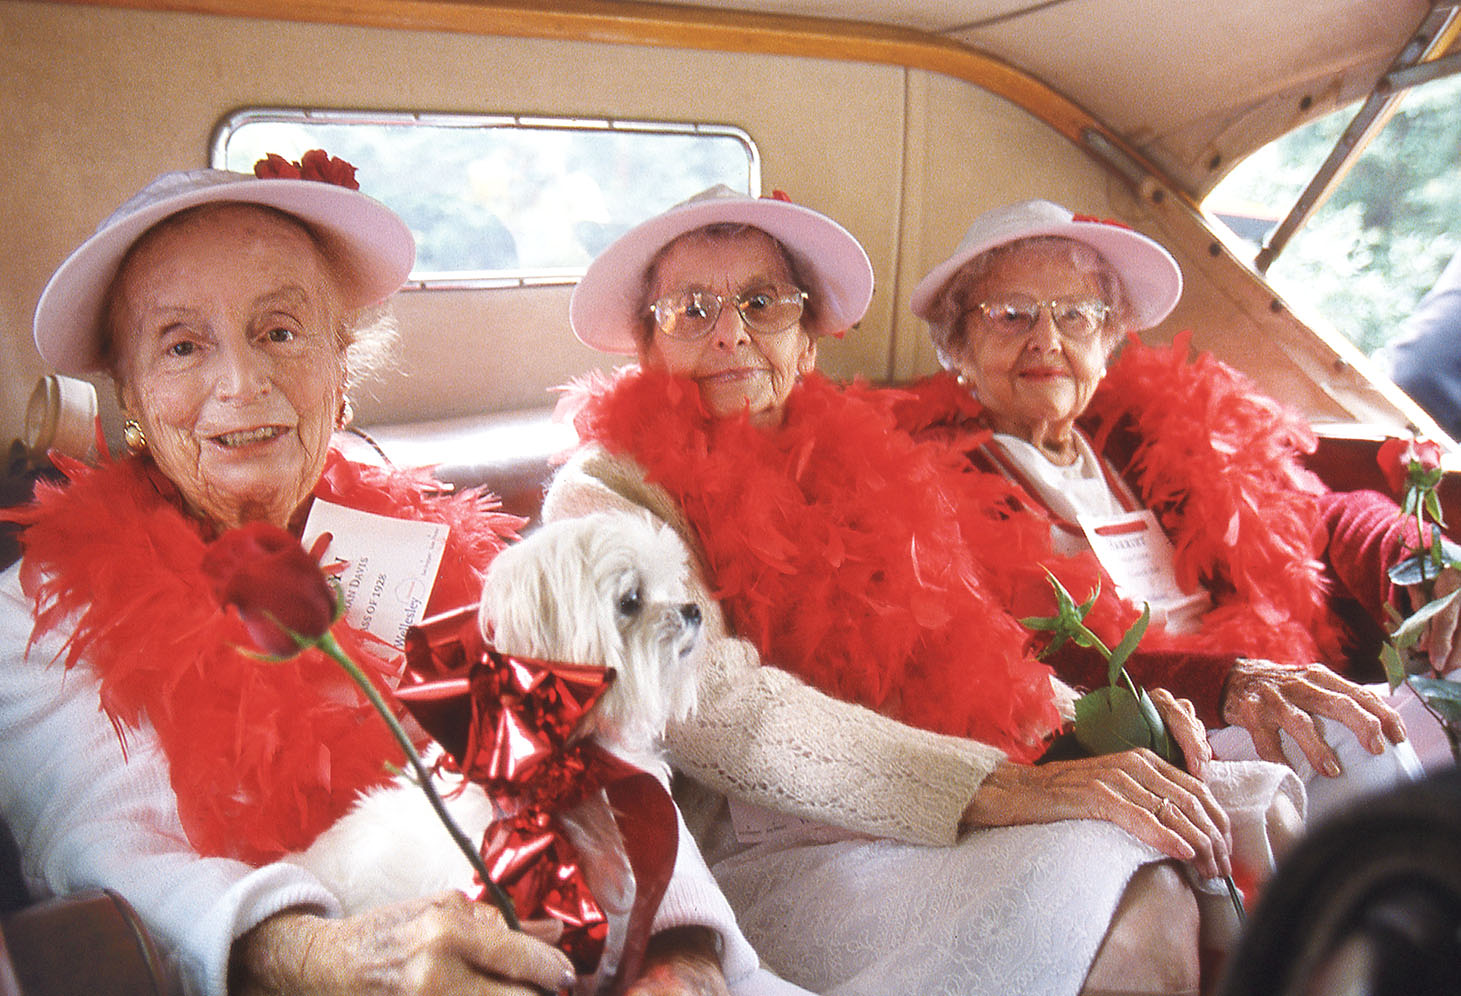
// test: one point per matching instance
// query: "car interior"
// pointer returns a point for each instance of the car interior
(901, 119)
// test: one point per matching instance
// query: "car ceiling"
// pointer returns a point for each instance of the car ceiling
(1194, 85)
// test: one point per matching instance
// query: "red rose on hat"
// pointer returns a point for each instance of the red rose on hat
(316, 164)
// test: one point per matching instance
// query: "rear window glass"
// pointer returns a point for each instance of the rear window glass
(504, 200)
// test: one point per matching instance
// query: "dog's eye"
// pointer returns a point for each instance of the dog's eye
(629, 603)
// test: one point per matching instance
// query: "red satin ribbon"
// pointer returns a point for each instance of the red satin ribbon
(508, 725)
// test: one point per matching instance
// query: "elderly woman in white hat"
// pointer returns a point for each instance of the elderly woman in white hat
(163, 760)
(1199, 505)
(853, 762)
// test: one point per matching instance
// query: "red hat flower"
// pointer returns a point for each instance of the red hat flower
(316, 164)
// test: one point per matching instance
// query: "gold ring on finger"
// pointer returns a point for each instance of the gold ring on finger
(1160, 812)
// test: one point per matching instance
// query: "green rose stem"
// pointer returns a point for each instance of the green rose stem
(1402, 662)
(500, 899)
(1425, 561)
(1120, 716)
(287, 605)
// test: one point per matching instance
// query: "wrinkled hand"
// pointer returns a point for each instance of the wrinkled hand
(1265, 698)
(1185, 728)
(1440, 641)
(445, 944)
(681, 962)
(1136, 790)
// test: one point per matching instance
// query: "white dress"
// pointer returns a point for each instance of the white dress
(1009, 910)
(850, 876)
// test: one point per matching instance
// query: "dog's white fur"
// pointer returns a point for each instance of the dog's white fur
(608, 589)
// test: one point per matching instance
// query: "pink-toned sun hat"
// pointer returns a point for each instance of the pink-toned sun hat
(1149, 275)
(373, 243)
(606, 306)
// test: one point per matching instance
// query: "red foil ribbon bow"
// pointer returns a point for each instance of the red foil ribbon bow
(508, 725)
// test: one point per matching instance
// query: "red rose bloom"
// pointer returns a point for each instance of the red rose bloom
(316, 164)
(1393, 463)
(1427, 453)
(277, 588)
(1397, 456)
(276, 167)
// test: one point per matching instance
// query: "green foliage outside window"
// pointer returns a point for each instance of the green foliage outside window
(1379, 242)
(536, 199)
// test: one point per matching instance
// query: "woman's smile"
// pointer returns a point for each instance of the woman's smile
(248, 438)
(1045, 373)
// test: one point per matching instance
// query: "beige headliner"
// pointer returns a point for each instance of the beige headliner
(1193, 84)
(1190, 86)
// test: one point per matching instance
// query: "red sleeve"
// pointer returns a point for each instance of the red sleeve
(1366, 536)
(1199, 676)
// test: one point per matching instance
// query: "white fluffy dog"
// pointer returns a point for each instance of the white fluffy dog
(607, 589)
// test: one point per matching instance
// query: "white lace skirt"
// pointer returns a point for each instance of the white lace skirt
(1012, 910)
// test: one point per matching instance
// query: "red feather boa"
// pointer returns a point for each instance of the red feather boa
(833, 545)
(262, 756)
(1220, 465)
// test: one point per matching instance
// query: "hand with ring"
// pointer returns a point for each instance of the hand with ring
(1155, 802)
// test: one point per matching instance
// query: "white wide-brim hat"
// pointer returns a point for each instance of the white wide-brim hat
(374, 246)
(607, 305)
(1149, 275)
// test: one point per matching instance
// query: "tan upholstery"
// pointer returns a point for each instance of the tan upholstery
(512, 454)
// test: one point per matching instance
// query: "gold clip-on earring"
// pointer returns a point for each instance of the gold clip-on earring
(133, 435)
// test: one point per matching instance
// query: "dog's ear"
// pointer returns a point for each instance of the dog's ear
(540, 598)
(515, 607)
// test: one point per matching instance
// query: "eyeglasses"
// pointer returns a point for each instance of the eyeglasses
(1014, 316)
(693, 312)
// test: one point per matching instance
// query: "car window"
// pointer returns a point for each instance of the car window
(1382, 238)
(504, 200)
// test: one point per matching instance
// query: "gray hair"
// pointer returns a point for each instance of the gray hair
(370, 337)
(948, 317)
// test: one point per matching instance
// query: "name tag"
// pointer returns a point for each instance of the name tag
(1137, 554)
(388, 566)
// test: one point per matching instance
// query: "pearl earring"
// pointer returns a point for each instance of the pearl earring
(346, 415)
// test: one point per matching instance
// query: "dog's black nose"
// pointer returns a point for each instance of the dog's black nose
(690, 612)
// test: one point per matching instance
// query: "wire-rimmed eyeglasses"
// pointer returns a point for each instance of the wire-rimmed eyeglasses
(1015, 315)
(693, 312)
